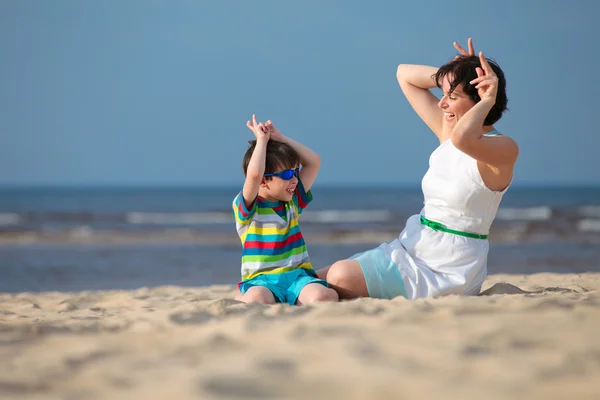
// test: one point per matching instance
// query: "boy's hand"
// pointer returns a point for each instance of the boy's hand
(259, 129)
(274, 132)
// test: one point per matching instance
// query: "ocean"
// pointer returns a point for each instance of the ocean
(75, 239)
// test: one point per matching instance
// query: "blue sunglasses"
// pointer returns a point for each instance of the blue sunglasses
(287, 174)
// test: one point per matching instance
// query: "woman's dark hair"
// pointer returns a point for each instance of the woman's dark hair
(461, 71)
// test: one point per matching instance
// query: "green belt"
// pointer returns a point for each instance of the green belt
(436, 226)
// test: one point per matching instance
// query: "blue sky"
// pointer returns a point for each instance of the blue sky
(157, 93)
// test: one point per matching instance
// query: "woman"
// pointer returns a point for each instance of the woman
(443, 250)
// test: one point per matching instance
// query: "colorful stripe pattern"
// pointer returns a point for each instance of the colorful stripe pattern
(271, 238)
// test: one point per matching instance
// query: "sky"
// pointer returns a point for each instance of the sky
(153, 93)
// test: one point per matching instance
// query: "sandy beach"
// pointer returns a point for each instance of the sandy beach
(199, 343)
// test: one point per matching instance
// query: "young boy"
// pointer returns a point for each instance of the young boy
(275, 263)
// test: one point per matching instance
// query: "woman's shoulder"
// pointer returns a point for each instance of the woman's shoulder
(506, 141)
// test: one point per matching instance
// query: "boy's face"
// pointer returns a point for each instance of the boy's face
(278, 189)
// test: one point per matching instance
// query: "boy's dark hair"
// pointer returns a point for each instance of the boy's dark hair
(462, 71)
(280, 156)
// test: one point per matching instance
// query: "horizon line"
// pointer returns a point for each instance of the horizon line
(155, 186)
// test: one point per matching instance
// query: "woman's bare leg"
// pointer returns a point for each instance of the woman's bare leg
(347, 278)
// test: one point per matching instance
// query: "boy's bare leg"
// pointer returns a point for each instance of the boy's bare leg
(257, 294)
(316, 292)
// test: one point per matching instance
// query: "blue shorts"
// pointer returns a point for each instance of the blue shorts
(381, 274)
(286, 286)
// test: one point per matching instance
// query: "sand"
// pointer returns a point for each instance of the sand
(198, 343)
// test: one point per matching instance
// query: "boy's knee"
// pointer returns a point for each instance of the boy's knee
(328, 295)
(262, 297)
(322, 294)
(258, 294)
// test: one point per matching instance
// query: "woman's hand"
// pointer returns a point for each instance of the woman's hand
(486, 81)
(462, 51)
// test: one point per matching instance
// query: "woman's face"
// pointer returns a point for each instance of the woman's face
(455, 104)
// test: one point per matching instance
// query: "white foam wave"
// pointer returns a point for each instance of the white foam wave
(541, 213)
(313, 216)
(9, 219)
(331, 216)
(589, 225)
(179, 218)
(81, 232)
(590, 211)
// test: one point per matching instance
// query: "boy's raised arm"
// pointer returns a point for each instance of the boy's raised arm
(256, 166)
(311, 161)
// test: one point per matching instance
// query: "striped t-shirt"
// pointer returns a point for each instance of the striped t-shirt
(271, 238)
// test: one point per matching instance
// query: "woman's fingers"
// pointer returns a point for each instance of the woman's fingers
(484, 81)
(460, 49)
(485, 65)
(480, 75)
(464, 52)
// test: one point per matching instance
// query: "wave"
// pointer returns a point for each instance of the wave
(542, 213)
(589, 225)
(179, 218)
(586, 232)
(590, 211)
(348, 216)
(559, 218)
(216, 217)
(9, 219)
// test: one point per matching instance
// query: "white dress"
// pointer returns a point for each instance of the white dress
(431, 262)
